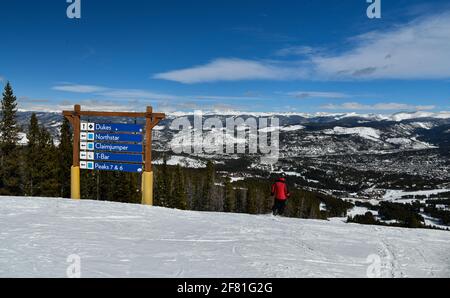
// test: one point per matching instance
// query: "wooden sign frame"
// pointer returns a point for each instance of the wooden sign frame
(152, 119)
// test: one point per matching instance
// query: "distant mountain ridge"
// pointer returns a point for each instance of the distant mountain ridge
(400, 116)
(418, 127)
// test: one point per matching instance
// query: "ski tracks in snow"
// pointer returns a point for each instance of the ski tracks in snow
(397, 257)
(389, 262)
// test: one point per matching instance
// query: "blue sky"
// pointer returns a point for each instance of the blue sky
(248, 55)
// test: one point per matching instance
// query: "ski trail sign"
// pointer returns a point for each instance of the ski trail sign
(118, 147)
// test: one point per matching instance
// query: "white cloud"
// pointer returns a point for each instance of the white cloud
(2, 79)
(75, 88)
(111, 99)
(417, 50)
(104, 105)
(192, 106)
(113, 93)
(392, 106)
(317, 94)
(86, 104)
(221, 97)
(230, 70)
(135, 94)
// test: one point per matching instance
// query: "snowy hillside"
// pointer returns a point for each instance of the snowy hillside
(119, 240)
(363, 132)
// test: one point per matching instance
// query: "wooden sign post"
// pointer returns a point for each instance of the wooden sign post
(96, 151)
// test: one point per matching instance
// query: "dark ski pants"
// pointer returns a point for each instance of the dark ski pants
(278, 207)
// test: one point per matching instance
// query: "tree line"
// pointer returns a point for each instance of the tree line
(36, 166)
(204, 190)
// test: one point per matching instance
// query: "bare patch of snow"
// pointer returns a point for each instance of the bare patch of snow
(399, 141)
(364, 132)
(424, 125)
(394, 194)
(292, 128)
(235, 179)
(360, 211)
(183, 161)
(23, 140)
(159, 127)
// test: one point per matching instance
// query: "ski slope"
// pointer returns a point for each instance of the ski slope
(120, 240)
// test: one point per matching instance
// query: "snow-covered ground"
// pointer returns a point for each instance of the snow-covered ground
(120, 240)
(285, 128)
(360, 211)
(183, 161)
(396, 195)
(23, 140)
(364, 132)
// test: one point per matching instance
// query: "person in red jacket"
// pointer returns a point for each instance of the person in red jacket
(281, 194)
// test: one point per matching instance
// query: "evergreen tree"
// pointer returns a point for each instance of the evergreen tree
(164, 185)
(251, 200)
(65, 158)
(11, 174)
(10, 158)
(197, 193)
(229, 197)
(179, 192)
(88, 185)
(33, 157)
(48, 165)
(165, 191)
(208, 187)
(125, 188)
(9, 130)
(239, 201)
(41, 162)
(190, 177)
(159, 187)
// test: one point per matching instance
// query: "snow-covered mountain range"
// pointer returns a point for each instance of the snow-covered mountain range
(346, 152)
(420, 130)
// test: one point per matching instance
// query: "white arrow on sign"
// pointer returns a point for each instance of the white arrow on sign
(83, 165)
(83, 145)
(83, 136)
(84, 126)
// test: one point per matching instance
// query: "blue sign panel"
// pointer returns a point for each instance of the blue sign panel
(130, 148)
(118, 127)
(105, 156)
(130, 168)
(106, 137)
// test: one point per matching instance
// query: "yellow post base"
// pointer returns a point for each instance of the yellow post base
(147, 188)
(75, 183)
